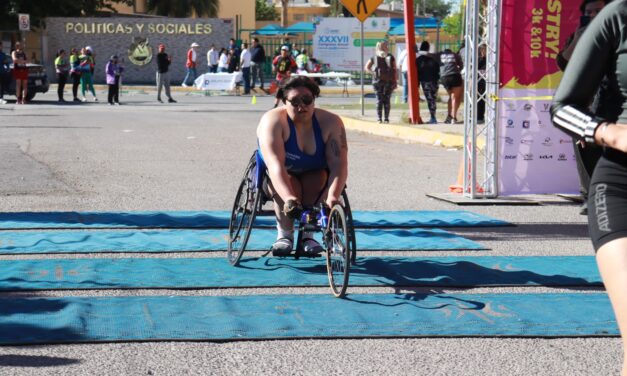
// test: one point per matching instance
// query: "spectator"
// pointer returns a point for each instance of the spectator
(282, 65)
(233, 45)
(20, 73)
(62, 67)
(286, 43)
(403, 64)
(294, 51)
(451, 78)
(190, 64)
(429, 75)
(75, 73)
(113, 72)
(233, 61)
(223, 63)
(5, 78)
(212, 59)
(245, 67)
(87, 81)
(302, 61)
(383, 69)
(163, 76)
(257, 61)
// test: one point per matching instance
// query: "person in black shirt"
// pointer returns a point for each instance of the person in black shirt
(586, 155)
(429, 75)
(163, 77)
(602, 52)
(257, 61)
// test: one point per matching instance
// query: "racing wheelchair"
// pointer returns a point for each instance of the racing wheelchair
(336, 225)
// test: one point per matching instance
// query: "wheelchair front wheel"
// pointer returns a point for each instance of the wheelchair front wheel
(242, 218)
(338, 251)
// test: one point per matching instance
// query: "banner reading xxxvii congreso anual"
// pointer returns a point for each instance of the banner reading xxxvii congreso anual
(534, 156)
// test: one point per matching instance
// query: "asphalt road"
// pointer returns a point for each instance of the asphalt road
(144, 155)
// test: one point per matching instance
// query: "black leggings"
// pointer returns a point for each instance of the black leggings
(62, 78)
(607, 202)
(384, 93)
(76, 80)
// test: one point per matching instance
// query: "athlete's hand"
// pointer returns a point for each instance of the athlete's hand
(332, 201)
(293, 209)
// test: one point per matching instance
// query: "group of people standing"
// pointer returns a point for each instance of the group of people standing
(81, 67)
(247, 59)
(433, 69)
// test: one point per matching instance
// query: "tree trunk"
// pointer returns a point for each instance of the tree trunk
(284, 13)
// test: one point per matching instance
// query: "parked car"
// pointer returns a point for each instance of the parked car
(37, 81)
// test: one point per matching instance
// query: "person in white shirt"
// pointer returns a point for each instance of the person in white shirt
(402, 65)
(223, 62)
(244, 64)
(212, 59)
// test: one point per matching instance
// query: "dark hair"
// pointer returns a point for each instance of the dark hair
(244, 45)
(582, 7)
(425, 46)
(255, 40)
(296, 82)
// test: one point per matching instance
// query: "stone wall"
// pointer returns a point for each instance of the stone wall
(135, 41)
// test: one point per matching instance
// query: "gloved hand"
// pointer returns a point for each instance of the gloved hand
(293, 209)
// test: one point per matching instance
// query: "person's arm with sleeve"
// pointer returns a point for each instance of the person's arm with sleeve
(337, 157)
(581, 79)
(270, 135)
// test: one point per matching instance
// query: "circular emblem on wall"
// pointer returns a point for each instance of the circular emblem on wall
(140, 52)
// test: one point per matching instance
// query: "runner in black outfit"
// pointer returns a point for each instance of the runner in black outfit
(602, 51)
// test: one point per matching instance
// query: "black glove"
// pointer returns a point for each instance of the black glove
(293, 209)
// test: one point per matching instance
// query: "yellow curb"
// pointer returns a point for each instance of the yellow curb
(422, 136)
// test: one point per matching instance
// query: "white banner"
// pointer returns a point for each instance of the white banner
(534, 156)
(337, 41)
(218, 81)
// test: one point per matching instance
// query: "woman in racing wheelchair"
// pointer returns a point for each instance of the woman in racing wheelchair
(305, 151)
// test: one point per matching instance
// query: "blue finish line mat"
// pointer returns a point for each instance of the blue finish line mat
(80, 241)
(220, 219)
(224, 318)
(175, 273)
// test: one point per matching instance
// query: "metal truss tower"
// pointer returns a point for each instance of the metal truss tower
(483, 18)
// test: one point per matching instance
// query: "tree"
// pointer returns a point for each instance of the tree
(264, 12)
(453, 24)
(284, 13)
(436, 8)
(40, 9)
(184, 8)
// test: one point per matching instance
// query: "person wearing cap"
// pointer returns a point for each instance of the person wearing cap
(163, 77)
(192, 57)
(113, 72)
(282, 65)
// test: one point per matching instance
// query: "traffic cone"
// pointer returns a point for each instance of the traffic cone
(459, 186)
(253, 100)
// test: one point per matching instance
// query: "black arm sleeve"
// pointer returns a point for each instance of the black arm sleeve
(587, 66)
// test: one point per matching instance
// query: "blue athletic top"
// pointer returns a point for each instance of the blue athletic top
(296, 161)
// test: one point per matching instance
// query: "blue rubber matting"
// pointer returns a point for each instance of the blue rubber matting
(266, 272)
(220, 219)
(105, 319)
(81, 241)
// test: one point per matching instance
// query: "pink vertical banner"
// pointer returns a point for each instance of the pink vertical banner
(533, 155)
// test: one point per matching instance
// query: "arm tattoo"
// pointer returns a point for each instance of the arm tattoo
(335, 148)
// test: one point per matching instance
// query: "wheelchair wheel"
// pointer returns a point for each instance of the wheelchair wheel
(243, 215)
(338, 252)
(352, 239)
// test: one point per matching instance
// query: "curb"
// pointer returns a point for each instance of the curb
(409, 134)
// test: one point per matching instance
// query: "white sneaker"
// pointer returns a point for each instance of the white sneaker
(83, 99)
(2, 101)
(95, 99)
(184, 85)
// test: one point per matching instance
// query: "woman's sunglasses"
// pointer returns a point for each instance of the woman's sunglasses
(304, 100)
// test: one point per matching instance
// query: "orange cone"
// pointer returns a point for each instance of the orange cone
(459, 186)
